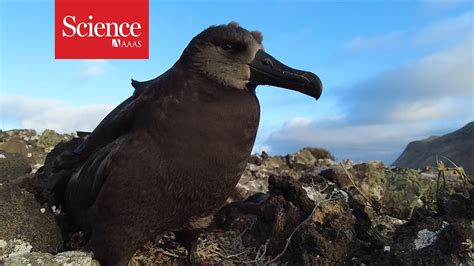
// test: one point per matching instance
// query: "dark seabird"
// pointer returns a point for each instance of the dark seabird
(168, 157)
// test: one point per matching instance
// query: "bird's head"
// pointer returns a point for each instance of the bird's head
(234, 57)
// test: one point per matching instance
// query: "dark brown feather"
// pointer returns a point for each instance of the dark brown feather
(179, 148)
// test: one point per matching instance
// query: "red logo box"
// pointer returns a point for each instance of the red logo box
(101, 29)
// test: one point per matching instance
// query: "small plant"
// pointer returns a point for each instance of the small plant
(469, 248)
(458, 170)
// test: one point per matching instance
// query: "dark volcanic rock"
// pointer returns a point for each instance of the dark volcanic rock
(433, 239)
(308, 158)
(50, 138)
(458, 146)
(337, 175)
(329, 238)
(299, 209)
(321, 236)
(12, 165)
(25, 224)
(407, 189)
(32, 146)
(15, 146)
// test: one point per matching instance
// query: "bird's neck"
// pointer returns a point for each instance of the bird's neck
(209, 113)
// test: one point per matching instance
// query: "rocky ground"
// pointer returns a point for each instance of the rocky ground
(299, 209)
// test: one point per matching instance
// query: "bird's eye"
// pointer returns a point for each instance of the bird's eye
(227, 46)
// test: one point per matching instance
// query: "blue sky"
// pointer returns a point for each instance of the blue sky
(393, 71)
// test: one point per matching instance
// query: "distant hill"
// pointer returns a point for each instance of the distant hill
(457, 146)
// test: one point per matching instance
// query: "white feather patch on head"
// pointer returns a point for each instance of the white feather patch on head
(257, 35)
(233, 25)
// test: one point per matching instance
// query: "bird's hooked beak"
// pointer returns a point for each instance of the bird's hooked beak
(266, 70)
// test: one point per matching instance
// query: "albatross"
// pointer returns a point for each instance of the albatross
(167, 158)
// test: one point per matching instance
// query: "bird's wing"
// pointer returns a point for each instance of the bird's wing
(115, 124)
(92, 153)
(77, 176)
(85, 184)
(119, 121)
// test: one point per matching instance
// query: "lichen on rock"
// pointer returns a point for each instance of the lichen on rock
(60, 259)
(24, 226)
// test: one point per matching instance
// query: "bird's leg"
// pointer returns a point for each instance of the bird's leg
(188, 239)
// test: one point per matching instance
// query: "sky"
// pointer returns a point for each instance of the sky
(392, 71)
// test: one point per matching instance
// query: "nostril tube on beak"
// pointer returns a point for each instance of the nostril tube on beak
(266, 70)
(267, 62)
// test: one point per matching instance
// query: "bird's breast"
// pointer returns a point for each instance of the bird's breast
(208, 124)
(208, 140)
(188, 154)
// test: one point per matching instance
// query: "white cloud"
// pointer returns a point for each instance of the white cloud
(430, 95)
(388, 40)
(384, 141)
(443, 32)
(94, 67)
(438, 81)
(449, 71)
(425, 110)
(43, 114)
(298, 121)
(446, 30)
(431, 7)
